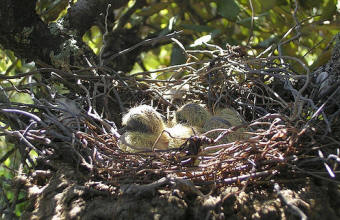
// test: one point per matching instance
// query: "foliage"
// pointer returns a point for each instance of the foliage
(270, 26)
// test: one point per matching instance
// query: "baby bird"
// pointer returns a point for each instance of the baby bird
(179, 134)
(197, 116)
(192, 114)
(226, 118)
(144, 130)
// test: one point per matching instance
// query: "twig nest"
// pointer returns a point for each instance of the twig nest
(70, 114)
(177, 92)
(144, 130)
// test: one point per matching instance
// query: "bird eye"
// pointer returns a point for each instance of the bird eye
(182, 120)
(137, 125)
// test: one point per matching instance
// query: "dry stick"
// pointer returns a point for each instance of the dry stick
(292, 208)
(213, 46)
(180, 45)
(265, 51)
(17, 111)
(247, 176)
(19, 75)
(105, 34)
(17, 133)
(282, 102)
(297, 27)
(252, 22)
(320, 110)
(313, 174)
(145, 42)
(23, 139)
(121, 106)
(171, 68)
(298, 104)
(329, 170)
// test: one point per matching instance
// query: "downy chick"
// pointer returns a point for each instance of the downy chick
(226, 118)
(193, 115)
(197, 116)
(144, 129)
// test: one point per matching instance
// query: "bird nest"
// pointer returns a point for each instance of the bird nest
(289, 130)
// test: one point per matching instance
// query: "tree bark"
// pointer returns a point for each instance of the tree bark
(23, 32)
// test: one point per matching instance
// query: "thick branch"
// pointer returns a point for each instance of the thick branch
(84, 13)
(22, 31)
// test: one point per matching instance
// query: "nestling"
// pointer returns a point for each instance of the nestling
(192, 114)
(144, 130)
(197, 116)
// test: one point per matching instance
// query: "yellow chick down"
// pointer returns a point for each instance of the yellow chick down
(197, 116)
(192, 114)
(144, 130)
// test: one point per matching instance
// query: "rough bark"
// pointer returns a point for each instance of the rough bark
(84, 13)
(22, 31)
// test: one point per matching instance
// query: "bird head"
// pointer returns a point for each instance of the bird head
(192, 114)
(144, 128)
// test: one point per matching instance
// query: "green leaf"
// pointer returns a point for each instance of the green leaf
(154, 9)
(267, 5)
(308, 4)
(177, 56)
(260, 18)
(198, 28)
(267, 42)
(229, 9)
(328, 10)
(170, 27)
